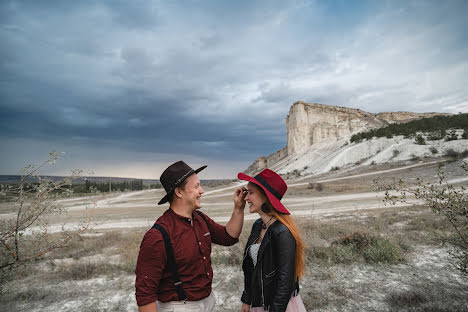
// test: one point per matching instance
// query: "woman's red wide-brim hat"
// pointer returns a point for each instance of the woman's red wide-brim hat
(273, 185)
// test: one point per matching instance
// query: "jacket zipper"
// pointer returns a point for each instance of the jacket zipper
(261, 283)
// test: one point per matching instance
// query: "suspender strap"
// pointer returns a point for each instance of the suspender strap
(203, 217)
(172, 263)
(171, 259)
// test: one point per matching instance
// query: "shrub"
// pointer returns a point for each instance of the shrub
(334, 168)
(444, 200)
(33, 203)
(373, 249)
(436, 135)
(357, 239)
(382, 250)
(451, 153)
(316, 186)
(433, 150)
(415, 157)
(451, 136)
(420, 140)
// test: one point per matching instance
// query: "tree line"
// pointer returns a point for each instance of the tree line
(437, 128)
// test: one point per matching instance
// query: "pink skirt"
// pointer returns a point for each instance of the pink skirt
(295, 305)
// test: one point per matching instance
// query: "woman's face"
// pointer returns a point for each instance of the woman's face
(255, 198)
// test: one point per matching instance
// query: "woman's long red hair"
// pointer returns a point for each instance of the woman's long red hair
(289, 222)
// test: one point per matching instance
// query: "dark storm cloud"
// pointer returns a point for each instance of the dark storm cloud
(217, 78)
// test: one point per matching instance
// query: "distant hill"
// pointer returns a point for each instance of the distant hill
(322, 137)
(16, 178)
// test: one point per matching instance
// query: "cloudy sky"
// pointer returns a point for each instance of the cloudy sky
(125, 88)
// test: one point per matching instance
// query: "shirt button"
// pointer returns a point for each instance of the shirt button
(189, 220)
(208, 274)
(199, 243)
(204, 258)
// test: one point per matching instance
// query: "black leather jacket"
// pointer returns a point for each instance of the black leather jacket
(271, 282)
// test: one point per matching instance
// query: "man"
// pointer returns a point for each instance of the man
(191, 234)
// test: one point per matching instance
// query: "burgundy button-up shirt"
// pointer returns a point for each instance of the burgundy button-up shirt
(191, 241)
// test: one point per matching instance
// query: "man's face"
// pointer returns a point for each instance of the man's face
(192, 192)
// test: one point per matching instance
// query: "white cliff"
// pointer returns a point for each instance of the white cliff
(318, 133)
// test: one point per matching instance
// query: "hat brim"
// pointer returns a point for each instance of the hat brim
(166, 197)
(273, 199)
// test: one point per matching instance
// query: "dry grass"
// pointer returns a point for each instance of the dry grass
(338, 249)
(427, 295)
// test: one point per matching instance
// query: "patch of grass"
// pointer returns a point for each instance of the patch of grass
(372, 248)
(315, 186)
(451, 153)
(428, 296)
(381, 250)
(357, 247)
(231, 256)
(82, 270)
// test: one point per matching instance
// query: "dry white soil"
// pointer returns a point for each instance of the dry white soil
(345, 195)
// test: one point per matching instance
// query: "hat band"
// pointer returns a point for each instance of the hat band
(176, 184)
(268, 187)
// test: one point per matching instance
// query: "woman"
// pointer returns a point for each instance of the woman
(273, 257)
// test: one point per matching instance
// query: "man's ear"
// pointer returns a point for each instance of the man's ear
(177, 192)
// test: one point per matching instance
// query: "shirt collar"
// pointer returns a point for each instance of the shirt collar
(182, 218)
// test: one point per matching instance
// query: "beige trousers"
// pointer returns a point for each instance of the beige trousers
(205, 305)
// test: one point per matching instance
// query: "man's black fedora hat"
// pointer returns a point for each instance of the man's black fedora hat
(174, 175)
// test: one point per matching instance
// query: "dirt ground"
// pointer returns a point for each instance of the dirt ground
(426, 281)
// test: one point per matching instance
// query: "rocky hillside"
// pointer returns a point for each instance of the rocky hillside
(318, 139)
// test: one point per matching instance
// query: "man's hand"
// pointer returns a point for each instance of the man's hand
(245, 308)
(234, 225)
(152, 307)
(239, 197)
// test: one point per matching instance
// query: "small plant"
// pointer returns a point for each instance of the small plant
(436, 135)
(334, 168)
(373, 249)
(451, 136)
(316, 186)
(443, 199)
(433, 150)
(358, 239)
(395, 153)
(32, 203)
(415, 157)
(451, 153)
(420, 140)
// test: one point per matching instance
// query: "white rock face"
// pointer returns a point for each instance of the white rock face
(318, 134)
(308, 124)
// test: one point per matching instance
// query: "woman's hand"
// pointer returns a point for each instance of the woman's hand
(239, 197)
(245, 308)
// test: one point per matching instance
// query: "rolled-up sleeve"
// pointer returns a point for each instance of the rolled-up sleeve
(219, 234)
(149, 268)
